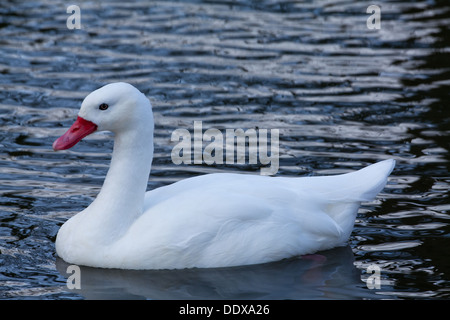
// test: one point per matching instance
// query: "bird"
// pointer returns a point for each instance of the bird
(211, 220)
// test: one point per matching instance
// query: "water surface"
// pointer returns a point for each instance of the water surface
(342, 97)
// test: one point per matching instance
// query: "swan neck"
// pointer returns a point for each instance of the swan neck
(122, 194)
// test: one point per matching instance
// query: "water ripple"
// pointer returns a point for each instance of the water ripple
(341, 95)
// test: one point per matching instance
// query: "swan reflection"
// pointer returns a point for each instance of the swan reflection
(330, 275)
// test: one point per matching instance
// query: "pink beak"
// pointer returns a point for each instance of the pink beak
(80, 129)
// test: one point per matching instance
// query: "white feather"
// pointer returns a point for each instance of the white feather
(214, 220)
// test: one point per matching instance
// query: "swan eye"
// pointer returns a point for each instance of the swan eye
(103, 106)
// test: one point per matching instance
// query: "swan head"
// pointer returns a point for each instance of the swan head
(115, 107)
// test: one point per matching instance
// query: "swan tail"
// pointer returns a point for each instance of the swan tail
(369, 181)
(359, 186)
(344, 193)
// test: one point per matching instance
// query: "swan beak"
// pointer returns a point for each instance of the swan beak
(80, 129)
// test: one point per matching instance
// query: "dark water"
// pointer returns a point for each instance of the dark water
(342, 96)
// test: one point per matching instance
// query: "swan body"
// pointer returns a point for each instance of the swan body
(213, 220)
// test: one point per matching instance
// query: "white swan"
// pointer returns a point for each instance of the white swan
(213, 220)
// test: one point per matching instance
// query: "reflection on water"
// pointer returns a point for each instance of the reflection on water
(332, 277)
(341, 96)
